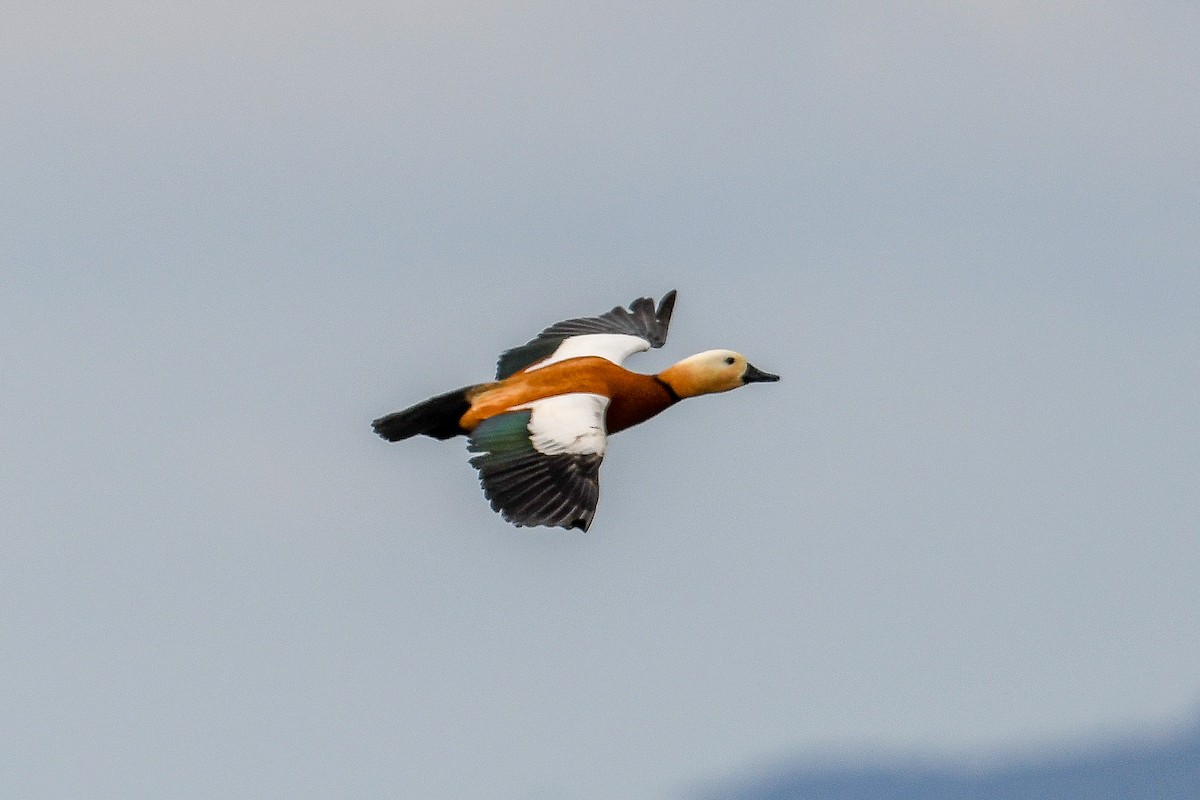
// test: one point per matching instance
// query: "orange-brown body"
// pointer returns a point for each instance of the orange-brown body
(634, 397)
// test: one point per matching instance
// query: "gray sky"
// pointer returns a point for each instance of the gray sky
(967, 235)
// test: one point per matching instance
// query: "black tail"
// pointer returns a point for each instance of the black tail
(437, 417)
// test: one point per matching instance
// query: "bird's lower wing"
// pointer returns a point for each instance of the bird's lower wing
(540, 464)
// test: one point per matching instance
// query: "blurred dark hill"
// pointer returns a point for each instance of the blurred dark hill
(1159, 768)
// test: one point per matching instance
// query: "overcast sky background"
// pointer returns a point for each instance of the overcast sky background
(967, 235)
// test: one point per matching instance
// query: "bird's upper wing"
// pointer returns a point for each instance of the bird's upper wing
(540, 463)
(614, 336)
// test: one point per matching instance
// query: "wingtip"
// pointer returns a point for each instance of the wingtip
(665, 307)
(662, 319)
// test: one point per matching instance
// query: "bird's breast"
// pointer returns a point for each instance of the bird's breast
(636, 400)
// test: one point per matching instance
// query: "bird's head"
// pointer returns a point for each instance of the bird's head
(713, 371)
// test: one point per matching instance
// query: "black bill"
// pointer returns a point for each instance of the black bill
(755, 375)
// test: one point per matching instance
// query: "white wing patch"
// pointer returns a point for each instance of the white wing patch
(568, 423)
(616, 347)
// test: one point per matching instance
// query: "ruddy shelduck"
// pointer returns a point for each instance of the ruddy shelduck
(540, 428)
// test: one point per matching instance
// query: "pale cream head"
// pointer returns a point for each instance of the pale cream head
(712, 371)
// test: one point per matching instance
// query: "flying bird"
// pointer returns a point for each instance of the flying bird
(539, 430)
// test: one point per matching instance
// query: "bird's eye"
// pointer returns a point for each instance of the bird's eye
(729, 360)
